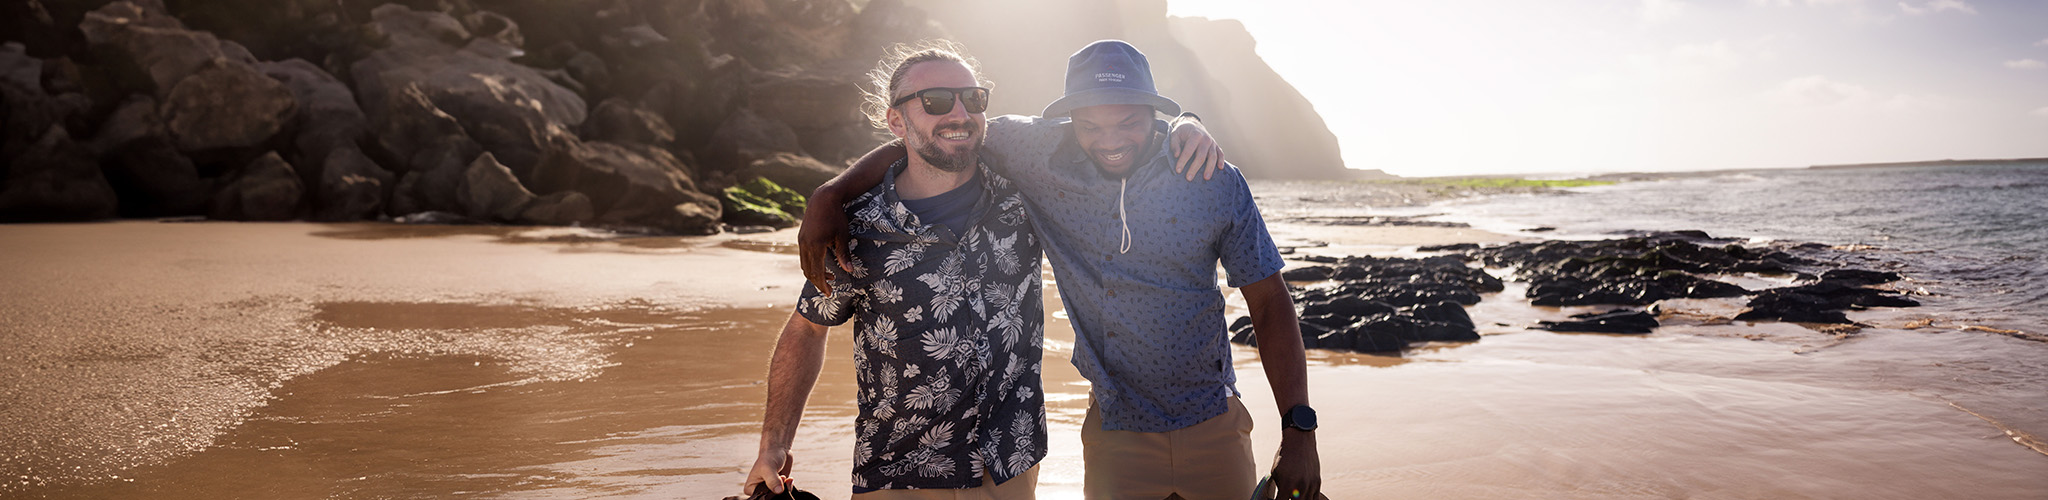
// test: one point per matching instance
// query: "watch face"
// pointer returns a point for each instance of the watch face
(1304, 417)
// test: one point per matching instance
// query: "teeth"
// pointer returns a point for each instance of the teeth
(954, 135)
(1114, 157)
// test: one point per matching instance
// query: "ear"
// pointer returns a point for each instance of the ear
(896, 123)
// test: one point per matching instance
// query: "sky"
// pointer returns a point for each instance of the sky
(1463, 87)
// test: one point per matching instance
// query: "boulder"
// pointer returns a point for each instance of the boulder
(18, 68)
(781, 33)
(351, 187)
(618, 120)
(490, 191)
(226, 104)
(796, 172)
(264, 190)
(328, 118)
(407, 124)
(745, 137)
(563, 208)
(27, 113)
(436, 179)
(158, 47)
(630, 185)
(56, 179)
(513, 111)
(697, 106)
(822, 107)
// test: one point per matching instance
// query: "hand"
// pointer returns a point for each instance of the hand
(1192, 146)
(821, 240)
(771, 469)
(1297, 468)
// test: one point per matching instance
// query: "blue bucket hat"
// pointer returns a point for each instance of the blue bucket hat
(1109, 72)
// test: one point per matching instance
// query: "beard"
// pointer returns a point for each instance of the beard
(926, 145)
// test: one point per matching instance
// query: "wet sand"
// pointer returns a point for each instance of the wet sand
(151, 360)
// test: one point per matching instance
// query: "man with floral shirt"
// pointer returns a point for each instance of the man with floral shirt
(945, 297)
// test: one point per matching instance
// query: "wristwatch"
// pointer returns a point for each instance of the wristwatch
(1299, 417)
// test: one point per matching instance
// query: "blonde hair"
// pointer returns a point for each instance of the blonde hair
(887, 76)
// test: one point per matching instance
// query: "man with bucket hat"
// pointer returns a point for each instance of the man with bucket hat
(1135, 250)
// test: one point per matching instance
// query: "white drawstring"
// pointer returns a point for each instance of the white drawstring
(1123, 217)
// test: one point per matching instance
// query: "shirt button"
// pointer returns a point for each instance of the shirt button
(1108, 257)
(1110, 335)
(1112, 293)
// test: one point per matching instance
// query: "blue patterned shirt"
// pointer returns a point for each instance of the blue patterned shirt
(1148, 323)
(948, 336)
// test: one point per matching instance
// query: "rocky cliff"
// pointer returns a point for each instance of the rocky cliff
(630, 114)
(1209, 67)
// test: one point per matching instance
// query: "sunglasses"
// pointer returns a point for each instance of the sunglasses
(939, 100)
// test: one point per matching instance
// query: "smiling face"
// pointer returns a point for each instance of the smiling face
(950, 142)
(1114, 135)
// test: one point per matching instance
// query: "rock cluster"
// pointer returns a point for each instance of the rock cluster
(1824, 300)
(1631, 271)
(1373, 304)
(633, 115)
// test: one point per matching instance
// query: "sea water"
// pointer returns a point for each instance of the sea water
(1971, 234)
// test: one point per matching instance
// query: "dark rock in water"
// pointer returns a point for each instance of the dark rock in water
(56, 179)
(1615, 321)
(1308, 273)
(351, 187)
(1319, 259)
(1454, 247)
(226, 104)
(1383, 304)
(559, 209)
(1822, 302)
(799, 173)
(265, 189)
(1859, 277)
(1631, 271)
(490, 191)
(1782, 305)
(1450, 313)
(1346, 306)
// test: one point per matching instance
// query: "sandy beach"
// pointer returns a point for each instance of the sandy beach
(200, 360)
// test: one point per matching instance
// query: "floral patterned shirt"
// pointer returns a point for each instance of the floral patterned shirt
(948, 334)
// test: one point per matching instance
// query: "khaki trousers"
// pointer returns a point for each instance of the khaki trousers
(1022, 487)
(1211, 459)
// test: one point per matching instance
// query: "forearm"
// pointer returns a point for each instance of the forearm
(792, 372)
(1279, 335)
(864, 174)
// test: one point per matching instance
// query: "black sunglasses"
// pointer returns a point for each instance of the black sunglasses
(939, 100)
